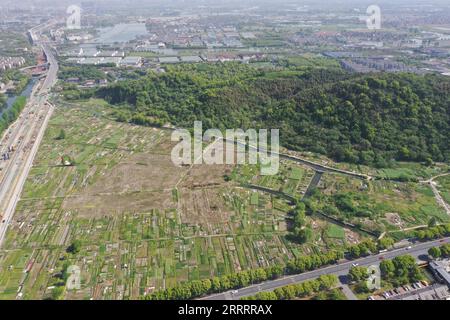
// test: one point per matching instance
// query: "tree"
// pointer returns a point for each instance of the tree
(243, 279)
(385, 243)
(357, 274)
(355, 251)
(432, 222)
(61, 135)
(279, 292)
(289, 292)
(361, 287)
(274, 271)
(321, 296)
(368, 129)
(216, 284)
(336, 294)
(401, 270)
(196, 288)
(445, 250)
(387, 268)
(435, 252)
(75, 247)
(58, 292)
(327, 281)
(303, 235)
(266, 296)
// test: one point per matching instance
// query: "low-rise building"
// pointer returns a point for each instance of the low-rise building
(73, 80)
(191, 59)
(131, 62)
(11, 62)
(168, 60)
(441, 270)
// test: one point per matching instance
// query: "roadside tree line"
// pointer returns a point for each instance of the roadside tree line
(432, 233)
(198, 288)
(10, 115)
(398, 271)
(440, 252)
(305, 289)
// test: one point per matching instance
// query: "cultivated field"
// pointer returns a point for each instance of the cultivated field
(144, 223)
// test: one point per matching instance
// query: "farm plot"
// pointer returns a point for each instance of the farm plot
(142, 222)
(292, 179)
(380, 205)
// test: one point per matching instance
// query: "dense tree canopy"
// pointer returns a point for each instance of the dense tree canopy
(440, 252)
(86, 72)
(10, 115)
(368, 119)
(401, 270)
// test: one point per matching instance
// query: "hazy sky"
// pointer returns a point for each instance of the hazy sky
(258, 2)
(131, 4)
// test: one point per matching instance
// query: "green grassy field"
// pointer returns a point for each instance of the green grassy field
(334, 231)
(146, 224)
(130, 243)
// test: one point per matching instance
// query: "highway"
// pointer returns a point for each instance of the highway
(25, 135)
(416, 250)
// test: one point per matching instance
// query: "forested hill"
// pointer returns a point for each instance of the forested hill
(367, 119)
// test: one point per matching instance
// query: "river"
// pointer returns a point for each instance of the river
(12, 98)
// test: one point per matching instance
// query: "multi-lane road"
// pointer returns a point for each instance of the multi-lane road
(25, 135)
(417, 250)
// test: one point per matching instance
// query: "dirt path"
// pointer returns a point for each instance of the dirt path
(437, 195)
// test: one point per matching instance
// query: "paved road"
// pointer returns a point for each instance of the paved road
(348, 292)
(25, 135)
(417, 250)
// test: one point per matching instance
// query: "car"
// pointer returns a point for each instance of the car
(381, 258)
(234, 292)
(355, 264)
(408, 248)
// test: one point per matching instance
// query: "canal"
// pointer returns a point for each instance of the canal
(12, 98)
